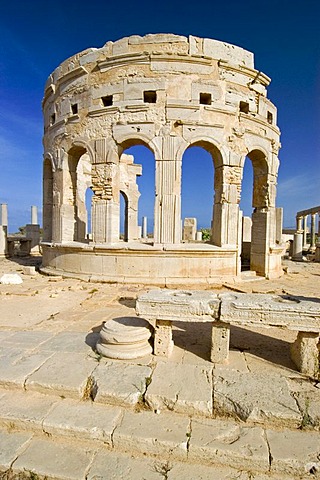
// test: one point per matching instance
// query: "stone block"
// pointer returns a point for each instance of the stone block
(128, 391)
(257, 309)
(305, 353)
(11, 279)
(184, 389)
(257, 398)
(220, 342)
(49, 459)
(25, 411)
(294, 453)
(26, 270)
(163, 343)
(230, 444)
(118, 466)
(152, 434)
(82, 420)
(11, 445)
(16, 366)
(178, 305)
(55, 375)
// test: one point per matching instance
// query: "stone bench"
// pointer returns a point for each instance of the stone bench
(162, 307)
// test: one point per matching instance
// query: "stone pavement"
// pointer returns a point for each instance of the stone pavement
(68, 413)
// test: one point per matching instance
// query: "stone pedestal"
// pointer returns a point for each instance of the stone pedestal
(163, 343)
(305, 353)
(220, 342)
(297, 246)
(125, 338)
(33, 234)
(317, 254)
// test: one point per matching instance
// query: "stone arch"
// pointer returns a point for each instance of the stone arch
(131, 140)
(84, 142)
(130, 170)
(218, 152)
(260, 165)
(49, 156)
(74, 210)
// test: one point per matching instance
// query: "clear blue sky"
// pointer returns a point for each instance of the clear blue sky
(36, 36)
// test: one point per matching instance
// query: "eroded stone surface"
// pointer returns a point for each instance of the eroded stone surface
(257, 398)
(82, 420)
(294, 452)
(184, 388)
(55, 460)
(24, 410)
(55, 375)
(153, 434)
(229, 444)
(120, 383)
(11, 445)
(115, 466)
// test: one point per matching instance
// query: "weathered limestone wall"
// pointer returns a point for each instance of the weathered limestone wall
(167, 92)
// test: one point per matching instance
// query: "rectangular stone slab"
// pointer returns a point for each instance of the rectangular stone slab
(263, 310)
(178, 305)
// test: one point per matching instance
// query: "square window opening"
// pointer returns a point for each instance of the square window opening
(270, 117)
(205, 98)
(150, 96)
(52, 119)
(107, 101)
(244, 107)
(74, 109)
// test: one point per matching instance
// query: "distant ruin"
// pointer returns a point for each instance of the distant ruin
(168, 93)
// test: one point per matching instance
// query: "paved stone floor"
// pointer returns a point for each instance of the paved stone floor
(68, 413)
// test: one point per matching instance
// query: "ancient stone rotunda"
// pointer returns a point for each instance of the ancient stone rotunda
(167, 93)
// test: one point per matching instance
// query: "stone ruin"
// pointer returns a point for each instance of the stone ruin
(168, 93)
(19, 244)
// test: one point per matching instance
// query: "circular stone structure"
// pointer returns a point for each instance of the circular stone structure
(125, 338)
(168, 93)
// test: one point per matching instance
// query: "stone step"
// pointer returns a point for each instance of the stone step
(72, 439)
(267, 399)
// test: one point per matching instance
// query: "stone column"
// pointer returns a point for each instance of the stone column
(313, 232)
(144, 227)
(106, 200)
(34, 215)
(225, 225)
(299, 224)
(297, 246)
(167, 225)
(4, 214)
(305, 228)
(3, 241)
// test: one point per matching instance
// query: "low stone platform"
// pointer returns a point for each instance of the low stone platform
(67, 413)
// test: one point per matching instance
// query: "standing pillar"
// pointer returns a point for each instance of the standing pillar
(167, 228)
(299, 224)
(313, 232)
(4, 214)
(305, 228)
(144, 227)
(34, 215)
(297, 246)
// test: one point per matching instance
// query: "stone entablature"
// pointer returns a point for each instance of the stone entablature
(166, 92)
